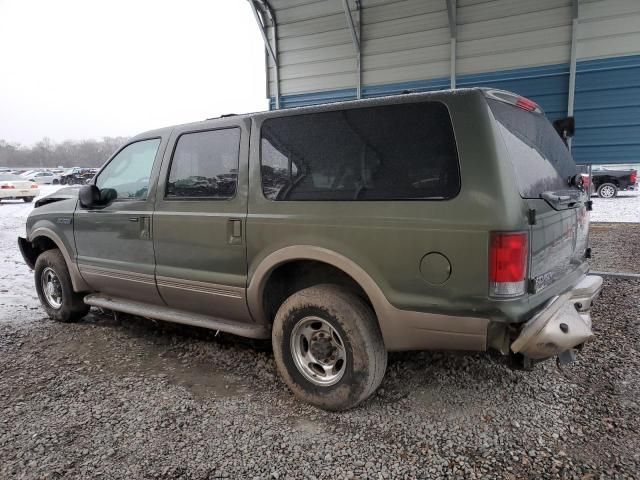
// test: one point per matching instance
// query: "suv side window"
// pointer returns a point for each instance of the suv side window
(205, 165)
(393, 152)
(129, 171)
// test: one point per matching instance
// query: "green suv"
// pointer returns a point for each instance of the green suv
(446, 220)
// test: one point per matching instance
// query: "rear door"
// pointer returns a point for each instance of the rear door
(114, 244)
(543, 166)
(200, 219)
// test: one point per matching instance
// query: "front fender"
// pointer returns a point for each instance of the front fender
(79, 285)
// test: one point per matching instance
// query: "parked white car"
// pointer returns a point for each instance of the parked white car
(15, 187)
(44, 178)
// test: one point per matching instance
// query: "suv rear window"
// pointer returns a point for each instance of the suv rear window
(539, 156)
(394, 152)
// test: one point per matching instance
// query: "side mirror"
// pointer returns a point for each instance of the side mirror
(566, 127)
(89, 196)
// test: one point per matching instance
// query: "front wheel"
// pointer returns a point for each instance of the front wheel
(55, 290)
(328, 347)
(607, 190)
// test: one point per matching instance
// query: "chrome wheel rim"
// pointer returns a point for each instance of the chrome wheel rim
(51, 288)
(318, 351)
(607, 191)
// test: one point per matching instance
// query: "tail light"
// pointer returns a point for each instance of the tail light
(634, 176)
(508, 252)
(35, 185)
(515, 100)
(5, 187)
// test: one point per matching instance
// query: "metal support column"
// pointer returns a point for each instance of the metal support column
(453, 30)
(572, 64)
(265, 10)
(355, 37)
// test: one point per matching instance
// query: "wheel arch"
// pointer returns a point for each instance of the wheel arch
(42, 239)
(307, 253)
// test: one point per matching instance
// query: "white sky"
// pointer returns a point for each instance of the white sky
(73, 69)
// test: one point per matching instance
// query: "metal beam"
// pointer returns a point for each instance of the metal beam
(572, 64)
(271, 49)
(453, 31)
(355, 38)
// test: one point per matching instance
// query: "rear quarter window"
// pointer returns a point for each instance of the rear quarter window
(393, 152)
(540, 158)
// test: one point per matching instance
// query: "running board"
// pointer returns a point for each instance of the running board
(177, 316)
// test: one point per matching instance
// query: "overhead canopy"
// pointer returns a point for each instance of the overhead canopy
(580, 58)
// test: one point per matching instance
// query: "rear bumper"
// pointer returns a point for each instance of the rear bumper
(563, 324)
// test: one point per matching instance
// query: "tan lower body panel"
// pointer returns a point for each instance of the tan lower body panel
(122, 283)
(204, 298)
(407, 330)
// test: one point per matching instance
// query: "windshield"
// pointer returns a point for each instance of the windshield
(540, 158)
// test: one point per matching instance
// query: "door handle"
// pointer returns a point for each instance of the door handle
(134, 219)
(234, 230)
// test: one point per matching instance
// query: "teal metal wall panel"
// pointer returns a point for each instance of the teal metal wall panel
(607, 110)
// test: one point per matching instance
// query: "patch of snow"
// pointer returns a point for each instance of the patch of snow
(17, 290)
(623, 208)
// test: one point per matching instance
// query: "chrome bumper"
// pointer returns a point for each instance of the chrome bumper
(563, 324)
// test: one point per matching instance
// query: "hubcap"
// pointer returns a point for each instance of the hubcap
(51, 288)
(607, 191)
(318, 351)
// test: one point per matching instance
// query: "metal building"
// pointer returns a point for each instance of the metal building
(579, 57)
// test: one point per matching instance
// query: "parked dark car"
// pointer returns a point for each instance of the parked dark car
(77, 176)
(607, 182)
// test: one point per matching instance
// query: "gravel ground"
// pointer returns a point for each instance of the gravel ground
(130, 398)
(615, 247)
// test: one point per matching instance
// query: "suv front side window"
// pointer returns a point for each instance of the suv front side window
(129, 171)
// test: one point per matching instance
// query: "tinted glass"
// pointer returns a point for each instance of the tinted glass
(205, 164)
(129, 171)
(395, 152)
(540, 157)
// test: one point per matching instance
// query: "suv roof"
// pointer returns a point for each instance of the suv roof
(382, 100)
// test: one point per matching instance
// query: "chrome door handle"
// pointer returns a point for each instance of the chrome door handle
(134, 219)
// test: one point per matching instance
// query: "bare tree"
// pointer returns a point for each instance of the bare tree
(46, 153)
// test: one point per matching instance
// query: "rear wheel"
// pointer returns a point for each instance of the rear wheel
(53, 284)
(328, 347)
(56, 181)
(27, 199)
(607, 190)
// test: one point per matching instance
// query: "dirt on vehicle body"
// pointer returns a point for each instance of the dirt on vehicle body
(448, 220)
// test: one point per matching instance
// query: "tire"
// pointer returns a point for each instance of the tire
(63, 181)
(363, 355)
(71, 307)
(56, 182)
(607, 190)
(27, 199)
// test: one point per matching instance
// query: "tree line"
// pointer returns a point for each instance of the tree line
(47, 153)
